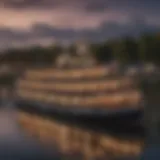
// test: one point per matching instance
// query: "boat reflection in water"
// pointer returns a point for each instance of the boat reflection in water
(72, 140)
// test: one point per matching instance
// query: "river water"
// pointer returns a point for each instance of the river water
(15, 144)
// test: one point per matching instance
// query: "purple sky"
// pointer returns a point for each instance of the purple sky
(25, 22)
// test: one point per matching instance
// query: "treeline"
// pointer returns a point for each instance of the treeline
(33, 55)
(129, 50)
(126, 50)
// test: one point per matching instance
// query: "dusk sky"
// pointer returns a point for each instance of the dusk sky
(44, 21)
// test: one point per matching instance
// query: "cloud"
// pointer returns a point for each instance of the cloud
(58, 17)
(48, 4)
(76, 14)
(45, 34)
(89, 5)
(44, 21)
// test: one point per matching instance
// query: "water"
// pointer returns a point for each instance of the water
(15, 144)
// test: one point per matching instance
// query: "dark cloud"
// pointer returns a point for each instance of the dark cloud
(11, 34)
(37, 4)
(89, 5)
(106, 31)
(95, 19)
(44, 30)
(96, 5)
(145, 7)
(25, 3)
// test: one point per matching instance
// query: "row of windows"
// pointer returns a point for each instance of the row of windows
(81, 87)
(70, 74)
(116, 100)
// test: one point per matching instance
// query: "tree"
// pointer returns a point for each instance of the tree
(131, 50)
(101, 52)
(146, 47)
(118, 49)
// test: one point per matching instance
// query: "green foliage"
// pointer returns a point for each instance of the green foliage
(146, 48)
(32, 55)
(72, 49)
(102, 52)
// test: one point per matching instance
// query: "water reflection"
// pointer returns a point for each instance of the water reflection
(14, 144)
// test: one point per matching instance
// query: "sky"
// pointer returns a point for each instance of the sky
(29, 22)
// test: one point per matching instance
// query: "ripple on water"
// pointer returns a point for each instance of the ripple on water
(14, 144)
